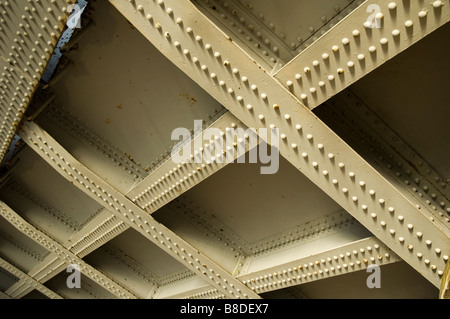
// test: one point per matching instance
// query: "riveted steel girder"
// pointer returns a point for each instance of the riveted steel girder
(259, 100)
(29, 31)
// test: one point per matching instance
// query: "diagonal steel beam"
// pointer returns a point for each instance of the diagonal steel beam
(28, 279)
(130, 213)
(22, 225)
(258, 100)
(371, 35)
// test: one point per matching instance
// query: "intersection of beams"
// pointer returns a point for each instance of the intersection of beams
(130, 213)
(106, 225)
(69, 258)
(28, 280)
(258, 100)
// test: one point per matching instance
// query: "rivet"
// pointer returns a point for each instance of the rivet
(423, 14)
(392, 5)
(437, 4)
(395, 32)
(409, 23)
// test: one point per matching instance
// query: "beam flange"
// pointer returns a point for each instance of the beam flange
(357, 45)
(258, 100)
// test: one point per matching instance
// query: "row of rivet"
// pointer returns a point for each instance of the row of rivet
(323, 227)
(210, 226)
(402, 166)
(321, 268)
(259, 39)
(399, 144)
(60, 216)
(83, 134)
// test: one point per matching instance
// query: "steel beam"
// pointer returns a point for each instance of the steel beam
(70, 258)
(26, 47)
(374, 33)
(341, 260)
(28, 280)
(130, 213)
(258, 100)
